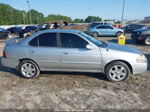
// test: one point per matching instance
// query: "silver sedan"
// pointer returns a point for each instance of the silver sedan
(72, 51)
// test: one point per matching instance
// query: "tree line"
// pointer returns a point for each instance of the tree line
(12, 16)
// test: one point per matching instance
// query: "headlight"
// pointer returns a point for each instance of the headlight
(141, 59)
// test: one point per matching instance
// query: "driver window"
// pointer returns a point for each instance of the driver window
(72, 41)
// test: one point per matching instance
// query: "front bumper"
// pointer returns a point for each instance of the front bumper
(10, 63)
(139, 68)
(138, 37)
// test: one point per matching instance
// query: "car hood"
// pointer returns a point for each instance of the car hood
(141, 30)
(123, 48)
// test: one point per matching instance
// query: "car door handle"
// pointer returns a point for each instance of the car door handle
(66, 53)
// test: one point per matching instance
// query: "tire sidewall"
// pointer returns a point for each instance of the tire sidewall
(119, 33)
(108, 67)
(146, 40)
(31, 62)
(95, 35)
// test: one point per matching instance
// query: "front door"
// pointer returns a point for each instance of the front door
(75, 55)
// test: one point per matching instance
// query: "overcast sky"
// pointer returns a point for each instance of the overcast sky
(107, 9)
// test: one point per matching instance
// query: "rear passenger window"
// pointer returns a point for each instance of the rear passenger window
(45, 40)
(48, 40)
(34, 42)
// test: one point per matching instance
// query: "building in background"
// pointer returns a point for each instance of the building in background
(147, 19)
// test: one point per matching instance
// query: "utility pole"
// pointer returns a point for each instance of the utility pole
(29, 11)
(24, 18)
(122, 18)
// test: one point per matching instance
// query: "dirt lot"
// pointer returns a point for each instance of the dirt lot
(75, 91)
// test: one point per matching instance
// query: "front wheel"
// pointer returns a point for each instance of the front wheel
(147, 41)
(28, 69)
(117, 71)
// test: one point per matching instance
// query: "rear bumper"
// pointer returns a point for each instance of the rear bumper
(10, 63)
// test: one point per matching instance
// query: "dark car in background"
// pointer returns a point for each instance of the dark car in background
(130, 28)
(28, 30)
(141, 36)
(3, 33)
(15, 30)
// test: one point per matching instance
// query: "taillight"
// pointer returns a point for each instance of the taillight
(4, 54)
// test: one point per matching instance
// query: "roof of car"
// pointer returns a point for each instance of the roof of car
(61, 30)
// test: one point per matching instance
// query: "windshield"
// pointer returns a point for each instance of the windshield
(91, 39)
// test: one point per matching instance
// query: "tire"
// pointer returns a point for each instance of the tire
(28, 69)
(147, 41)
(117, 71)
(119, 33)
(95, 34)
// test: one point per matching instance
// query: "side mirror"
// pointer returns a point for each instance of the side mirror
(89, 47)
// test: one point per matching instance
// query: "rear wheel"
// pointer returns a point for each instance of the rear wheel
(147, 41)
(117, 71)
(28, 69)
(95, 34)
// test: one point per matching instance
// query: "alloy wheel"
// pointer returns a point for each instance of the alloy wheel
(28, 70)
(118, 73)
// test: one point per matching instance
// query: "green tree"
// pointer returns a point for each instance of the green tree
(90, 19)
(77, 20)
(10, 15)
(53, 17)
(36, 17)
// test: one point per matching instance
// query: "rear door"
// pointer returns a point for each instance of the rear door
(75, 55)
(44, 50)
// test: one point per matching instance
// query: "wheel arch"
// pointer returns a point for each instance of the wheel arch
(127, 63)
(95, 32)
(20, 60)
(119, 32)
(147, 36)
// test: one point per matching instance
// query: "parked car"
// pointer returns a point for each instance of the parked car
(3, 33)
(94, 24)
(71, 51)
(141, 36)
(105, 30)
(42, 26)
(72, 24)
(132, 27)
(28, 31)
(15, 29)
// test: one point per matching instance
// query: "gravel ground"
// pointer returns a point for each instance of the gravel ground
(75, 91)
